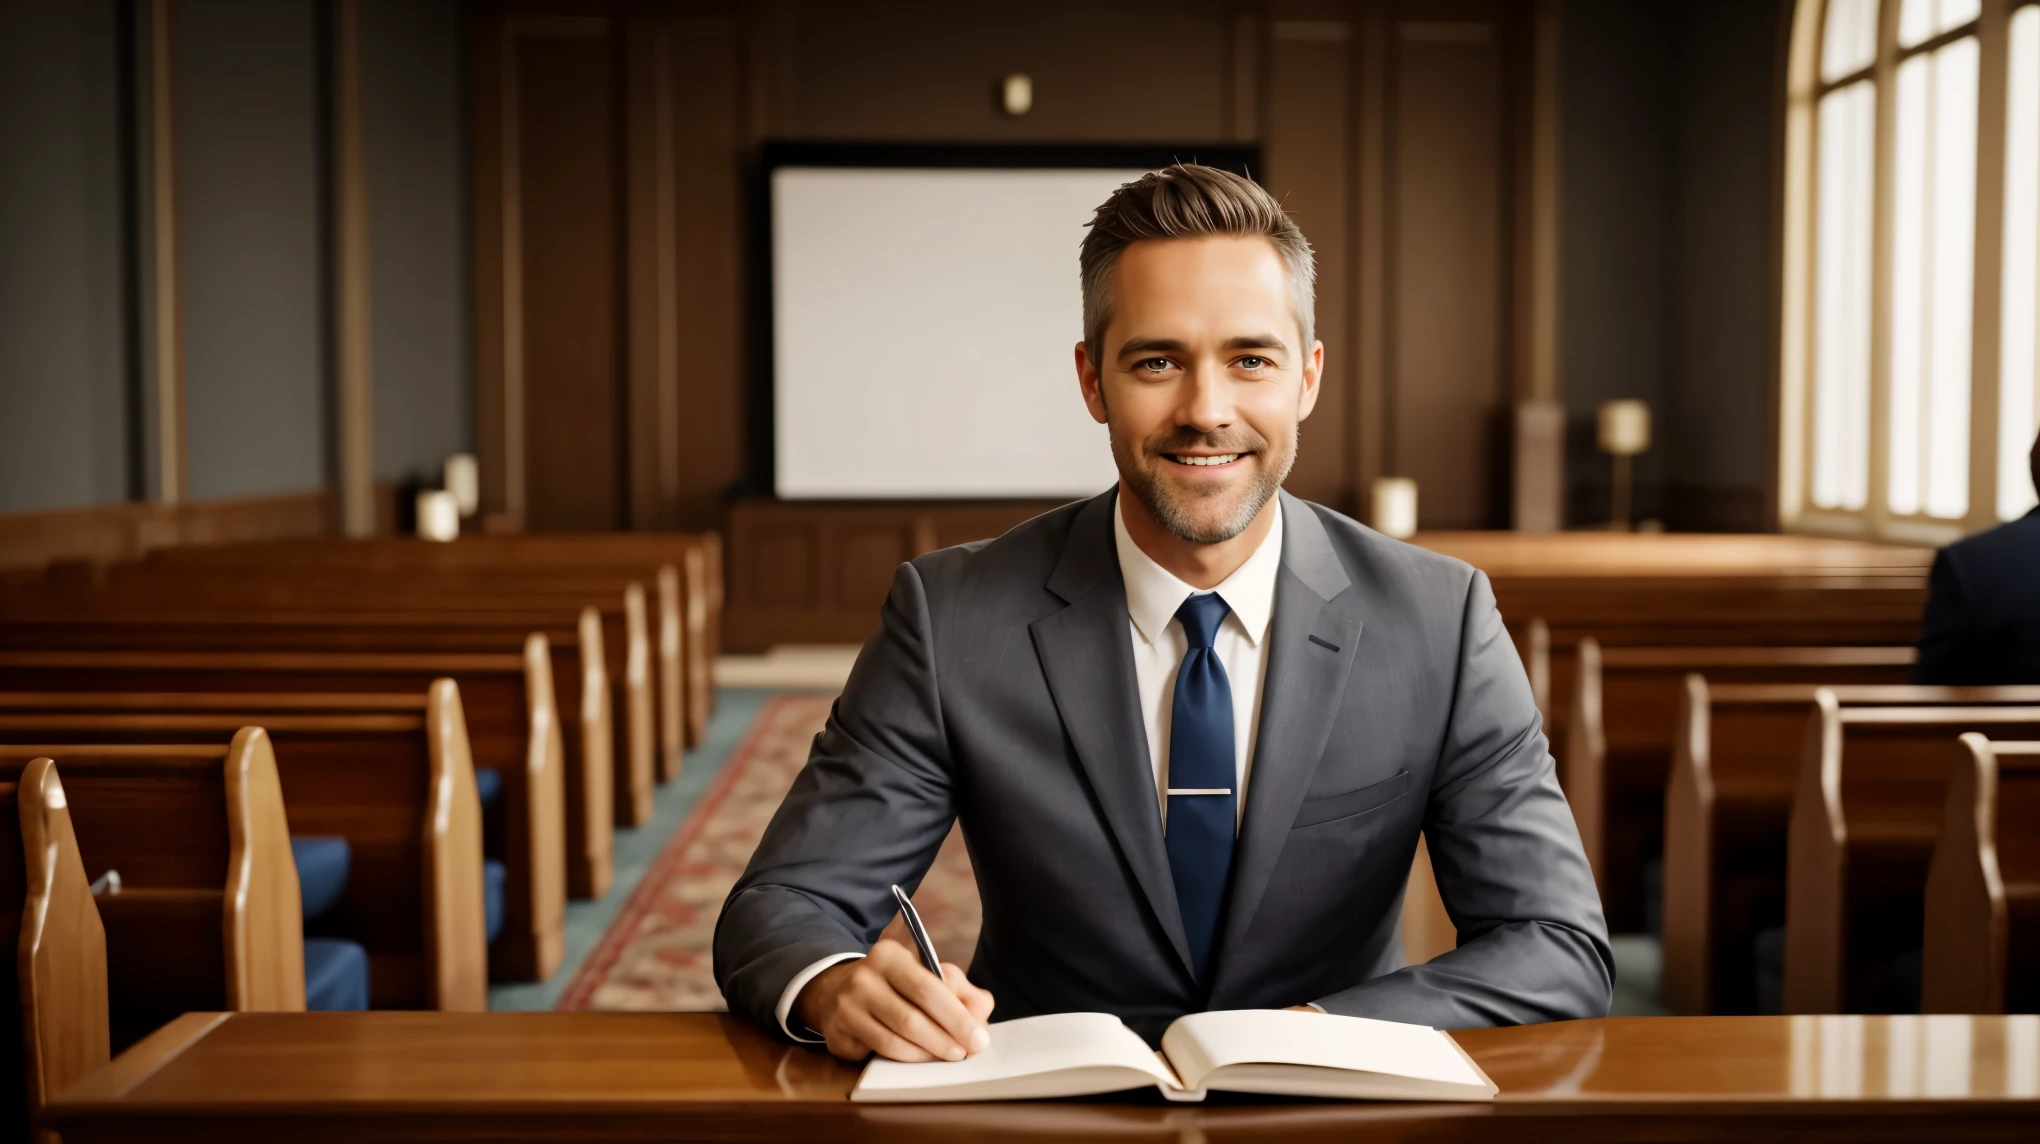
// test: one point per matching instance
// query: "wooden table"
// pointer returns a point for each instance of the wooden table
(308, 1077)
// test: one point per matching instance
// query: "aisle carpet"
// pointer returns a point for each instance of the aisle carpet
(656, 954)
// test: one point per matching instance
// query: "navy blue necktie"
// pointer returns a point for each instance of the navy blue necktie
(1201, 778)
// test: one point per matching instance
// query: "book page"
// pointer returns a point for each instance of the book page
(1202, 1044)
(1062, 1054)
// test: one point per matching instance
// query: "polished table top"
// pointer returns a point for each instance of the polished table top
(390, 1075)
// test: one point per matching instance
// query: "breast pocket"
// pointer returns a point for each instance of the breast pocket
(1351, 804)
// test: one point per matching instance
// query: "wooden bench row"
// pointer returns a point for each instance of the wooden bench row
(1814, 809)
(382, 617)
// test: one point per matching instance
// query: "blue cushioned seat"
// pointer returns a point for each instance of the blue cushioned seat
(494, 876)
(322, 865)
(336, 975)
(488, 785)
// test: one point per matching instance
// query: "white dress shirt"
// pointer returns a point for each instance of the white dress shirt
(1153, 594)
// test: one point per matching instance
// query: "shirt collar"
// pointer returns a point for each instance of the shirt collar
(1153, 593)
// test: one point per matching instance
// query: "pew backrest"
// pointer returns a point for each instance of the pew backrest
(397, 785)
(207, 915)
(1740, 746)
(1628, 699)
(1873, 787)
(1984, 883)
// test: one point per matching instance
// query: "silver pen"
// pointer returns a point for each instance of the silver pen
(920, 932)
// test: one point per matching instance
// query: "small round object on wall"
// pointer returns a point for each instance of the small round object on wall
(1016, 94)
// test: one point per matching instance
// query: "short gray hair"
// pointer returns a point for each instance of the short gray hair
(1189, 200)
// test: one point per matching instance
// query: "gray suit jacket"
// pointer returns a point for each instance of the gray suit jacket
(1000, 690)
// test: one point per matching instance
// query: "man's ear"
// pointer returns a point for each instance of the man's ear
(1092, 385)
(1313, 372)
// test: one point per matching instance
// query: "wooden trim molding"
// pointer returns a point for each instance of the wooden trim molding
(353, 352)
(166, 317)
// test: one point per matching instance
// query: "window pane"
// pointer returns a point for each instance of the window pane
(1955, 13)
(1849, 41)
(1924, 19)
(1910, 207)
(2019, 369)
(1915, 22)
(1954, 278)
(1842, 233)
(1932, 260)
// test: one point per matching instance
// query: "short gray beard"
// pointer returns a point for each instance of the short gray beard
(1175, 516)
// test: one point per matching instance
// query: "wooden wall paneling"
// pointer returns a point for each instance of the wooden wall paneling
(707, 428)
(1450, 270)
(165, 348)
(354, 373)
(498, 357)
(837, 76)
(561, 80)
(1308, 148)
(652, 265)
(1537, 453)
(1371, 329)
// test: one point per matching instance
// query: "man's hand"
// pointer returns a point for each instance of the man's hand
(888, 1003)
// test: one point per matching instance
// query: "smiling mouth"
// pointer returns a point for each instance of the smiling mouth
(1204, 461)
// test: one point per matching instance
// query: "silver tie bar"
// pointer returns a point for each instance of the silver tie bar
(1200, 790)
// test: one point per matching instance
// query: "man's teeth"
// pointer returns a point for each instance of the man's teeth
(1221, 459)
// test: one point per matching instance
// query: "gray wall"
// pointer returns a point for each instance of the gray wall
(63, 361)
(249, 208)
(252, 210)
(415, 111)
(1668, 166)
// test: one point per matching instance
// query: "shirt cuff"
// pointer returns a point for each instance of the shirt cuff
(1318, 1007)
(784, 1010)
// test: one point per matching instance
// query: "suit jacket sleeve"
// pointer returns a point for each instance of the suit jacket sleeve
(1946, 656)
(1532, 942)
(870, 809)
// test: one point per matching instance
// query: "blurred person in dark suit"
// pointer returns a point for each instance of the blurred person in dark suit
(1982, 625)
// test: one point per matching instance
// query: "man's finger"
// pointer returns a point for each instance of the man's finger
(903, 1019)
(865, 1027)
(978, 1001)
(936, 998)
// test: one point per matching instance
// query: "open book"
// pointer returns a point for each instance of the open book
(1245, 1050)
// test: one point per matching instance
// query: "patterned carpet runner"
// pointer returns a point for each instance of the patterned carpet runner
(656, 954)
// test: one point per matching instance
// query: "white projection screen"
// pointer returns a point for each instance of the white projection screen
(922, 327)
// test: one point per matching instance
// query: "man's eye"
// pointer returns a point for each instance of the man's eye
(1253, 362)
(1157, 364)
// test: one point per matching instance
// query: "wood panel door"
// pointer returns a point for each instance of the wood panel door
(608, 231)
(566, 233)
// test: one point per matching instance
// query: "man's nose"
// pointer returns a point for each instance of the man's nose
(1207, 399)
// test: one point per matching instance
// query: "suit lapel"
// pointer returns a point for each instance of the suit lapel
(1313, 641)
(1087, 654)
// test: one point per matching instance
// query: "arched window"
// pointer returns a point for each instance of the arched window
(1910, 372)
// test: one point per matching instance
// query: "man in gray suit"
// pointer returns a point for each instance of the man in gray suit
(1192, 727)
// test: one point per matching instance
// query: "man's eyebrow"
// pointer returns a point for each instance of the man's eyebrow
(1149, 346)
(1256, 342)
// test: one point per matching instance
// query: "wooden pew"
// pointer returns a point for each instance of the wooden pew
(570, 566)
(1624, 718)
(1872, 792)
(397, 784)
(578, 659)
(58, 949)
(1983, 885)
(208, 914)
(505, 703)
(1728, 802)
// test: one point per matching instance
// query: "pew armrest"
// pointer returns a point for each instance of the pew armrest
(264, 914)
(63, 946)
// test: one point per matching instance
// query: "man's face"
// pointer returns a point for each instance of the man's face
(1202, 380)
